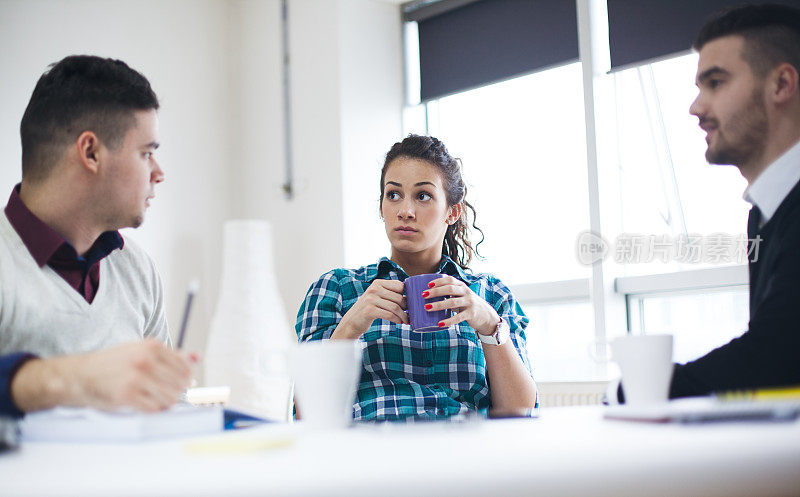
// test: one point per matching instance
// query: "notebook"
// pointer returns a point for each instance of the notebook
(9, 436)
(64, 424)
(707, 409)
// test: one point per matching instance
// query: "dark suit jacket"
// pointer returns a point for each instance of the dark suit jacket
(768, 353)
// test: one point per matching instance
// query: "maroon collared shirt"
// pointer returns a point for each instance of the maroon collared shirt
(46, 246)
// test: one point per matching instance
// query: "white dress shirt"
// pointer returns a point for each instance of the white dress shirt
(772, 186)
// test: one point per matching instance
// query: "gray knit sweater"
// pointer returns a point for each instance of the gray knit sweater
(42, 314)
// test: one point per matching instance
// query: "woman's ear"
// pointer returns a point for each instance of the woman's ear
(454, 213)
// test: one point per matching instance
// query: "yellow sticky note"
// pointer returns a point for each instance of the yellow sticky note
(224, 445)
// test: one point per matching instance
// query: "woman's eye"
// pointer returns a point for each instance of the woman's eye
(424, 196)
(392, 195)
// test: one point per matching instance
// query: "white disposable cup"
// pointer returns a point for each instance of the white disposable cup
(326, 374)
(646, 365)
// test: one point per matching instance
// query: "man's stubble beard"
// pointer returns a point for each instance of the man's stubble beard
(119, 222)
(750, 125)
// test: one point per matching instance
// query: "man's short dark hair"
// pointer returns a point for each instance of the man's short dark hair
(771, 33)
(80, 93)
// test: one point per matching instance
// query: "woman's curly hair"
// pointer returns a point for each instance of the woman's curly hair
(456, 244)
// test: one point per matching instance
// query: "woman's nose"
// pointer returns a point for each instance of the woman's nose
(405, 210)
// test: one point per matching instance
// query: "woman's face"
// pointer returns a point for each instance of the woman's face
(414, 207)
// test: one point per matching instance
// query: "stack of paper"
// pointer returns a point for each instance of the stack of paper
(90, 425)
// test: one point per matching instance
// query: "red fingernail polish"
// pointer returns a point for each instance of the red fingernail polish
(426, 293)
(428, 307)
(431, 284)
(441, 325)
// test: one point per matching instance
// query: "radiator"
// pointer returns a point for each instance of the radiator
(571, 393)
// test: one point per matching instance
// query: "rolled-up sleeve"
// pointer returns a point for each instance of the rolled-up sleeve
(509, 309)
(9, 365)
(321, 310)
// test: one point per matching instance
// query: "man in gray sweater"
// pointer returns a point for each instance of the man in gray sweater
(81, 308)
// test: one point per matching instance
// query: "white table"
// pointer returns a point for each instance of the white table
(568, 451)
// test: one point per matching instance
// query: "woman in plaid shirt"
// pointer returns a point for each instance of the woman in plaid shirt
(478, 360)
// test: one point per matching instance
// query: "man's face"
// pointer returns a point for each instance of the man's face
(730, 106)
(131, 174)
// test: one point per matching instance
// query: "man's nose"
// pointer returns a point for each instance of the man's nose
(697, 107)
(157, 175)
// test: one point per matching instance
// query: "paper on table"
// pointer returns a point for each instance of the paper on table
(706, 409)
(64, 424)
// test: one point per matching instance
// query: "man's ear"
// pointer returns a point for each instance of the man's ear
(88, 147)
(784, 85)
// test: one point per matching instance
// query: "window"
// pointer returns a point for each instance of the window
(700, 322)
(524, 150)
(560, 336)
(666, 186)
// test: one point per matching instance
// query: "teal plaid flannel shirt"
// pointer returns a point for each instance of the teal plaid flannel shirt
(408, 374)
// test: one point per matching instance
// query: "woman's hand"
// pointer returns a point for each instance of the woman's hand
(467, 305)
(382, 300)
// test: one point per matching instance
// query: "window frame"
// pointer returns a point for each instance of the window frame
(610, 292)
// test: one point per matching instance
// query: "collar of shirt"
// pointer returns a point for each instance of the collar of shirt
(386, 266)
(772, 186)
(45, 244)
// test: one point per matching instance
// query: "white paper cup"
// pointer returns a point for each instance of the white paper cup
(646, 365)
(326, 374)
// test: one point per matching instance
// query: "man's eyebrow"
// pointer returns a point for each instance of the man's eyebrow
(712, 71)
(153, 145)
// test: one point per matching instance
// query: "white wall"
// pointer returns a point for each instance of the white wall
(181, 46)
(372, 102)
(346, 99)
(216, 66)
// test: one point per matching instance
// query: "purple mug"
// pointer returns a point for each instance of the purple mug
(423, 320)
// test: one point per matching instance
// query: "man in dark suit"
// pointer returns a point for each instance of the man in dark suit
(749, 106)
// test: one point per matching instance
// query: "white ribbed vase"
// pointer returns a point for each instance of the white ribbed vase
(250, 335)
